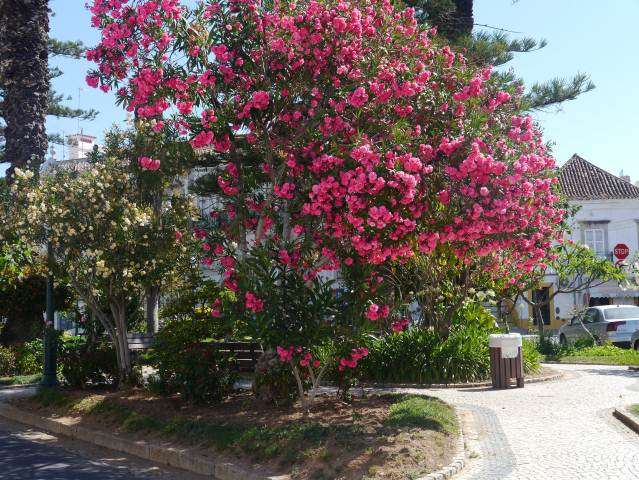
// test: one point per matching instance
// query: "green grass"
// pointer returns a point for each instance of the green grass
(290, 442)
(415, 411)
(634, 409)
(19, 380)
(48, 397)
(604, 354)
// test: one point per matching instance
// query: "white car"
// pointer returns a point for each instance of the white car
(607, 323)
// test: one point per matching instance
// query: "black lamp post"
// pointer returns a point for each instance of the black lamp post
(49, 375)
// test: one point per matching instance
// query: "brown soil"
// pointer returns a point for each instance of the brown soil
(370, 449)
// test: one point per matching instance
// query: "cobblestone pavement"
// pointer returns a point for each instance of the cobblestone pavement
(558, 430)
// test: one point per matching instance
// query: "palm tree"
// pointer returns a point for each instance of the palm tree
(24, 74)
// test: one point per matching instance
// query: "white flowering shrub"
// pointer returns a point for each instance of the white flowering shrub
(109, 242)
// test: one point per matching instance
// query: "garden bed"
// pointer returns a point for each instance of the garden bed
(378, 437)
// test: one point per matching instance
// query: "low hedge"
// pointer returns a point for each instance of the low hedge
(423, 356)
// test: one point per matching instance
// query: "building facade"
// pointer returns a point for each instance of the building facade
(607, 217)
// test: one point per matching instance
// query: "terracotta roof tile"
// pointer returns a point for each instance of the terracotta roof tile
(581, 180)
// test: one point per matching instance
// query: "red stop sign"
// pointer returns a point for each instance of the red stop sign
(621, 251)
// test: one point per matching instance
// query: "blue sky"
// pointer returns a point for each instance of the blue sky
(583, 36)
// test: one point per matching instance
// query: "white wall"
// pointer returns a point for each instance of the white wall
(623, 217)
(622, 227)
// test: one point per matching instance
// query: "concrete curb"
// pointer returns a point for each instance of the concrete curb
(418, 386)
(459, 460)
(14, 387)
(627, 419)
(175, 457)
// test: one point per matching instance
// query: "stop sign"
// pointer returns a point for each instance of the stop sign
(621, 251)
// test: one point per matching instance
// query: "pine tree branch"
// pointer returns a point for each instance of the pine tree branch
(57, 109)
(543, 96)
(72, 49)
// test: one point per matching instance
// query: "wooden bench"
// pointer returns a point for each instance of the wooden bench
(139, 342)
(246, 354)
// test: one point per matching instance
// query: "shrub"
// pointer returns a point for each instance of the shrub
(83, 362)
(273, 382)
(29, 357)
(424, 356)
(462, 357)
(605, 350)
(7, 361)
(547, 346)
(199, 373)
(189, 365)
(531, 357)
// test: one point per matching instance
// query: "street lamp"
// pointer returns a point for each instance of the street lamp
(49, 375)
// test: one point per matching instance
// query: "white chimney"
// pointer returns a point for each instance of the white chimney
(80, 145)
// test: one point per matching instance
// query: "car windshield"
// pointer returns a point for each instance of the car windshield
(621, 313)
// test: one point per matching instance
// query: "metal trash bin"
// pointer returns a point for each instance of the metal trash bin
(506, 360)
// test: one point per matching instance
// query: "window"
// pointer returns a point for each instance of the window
(621, 313)
(591, 316)
(595, 238)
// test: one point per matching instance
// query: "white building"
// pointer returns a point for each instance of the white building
(608, 217)
(80, 145)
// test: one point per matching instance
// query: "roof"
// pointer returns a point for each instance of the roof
(581, 180)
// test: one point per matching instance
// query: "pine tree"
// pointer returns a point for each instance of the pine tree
(26, 97)
(454, 21)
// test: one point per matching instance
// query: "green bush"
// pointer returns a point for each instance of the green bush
(273, 381)
(29, 357)
(82, 362)
(531, 357)
(423, 356)
(188, 364)
(7, 362)
(605, 350)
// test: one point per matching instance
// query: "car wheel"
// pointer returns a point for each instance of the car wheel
(562, 339)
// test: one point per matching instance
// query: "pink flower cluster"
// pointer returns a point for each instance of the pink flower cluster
(375, 312)
(253, 303)
(400, 325)
(356, 355)
(305, 358)
(148, 163)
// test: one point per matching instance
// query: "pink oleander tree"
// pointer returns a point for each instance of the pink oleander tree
(341, 133)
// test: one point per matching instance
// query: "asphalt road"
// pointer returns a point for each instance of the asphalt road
(28, 454)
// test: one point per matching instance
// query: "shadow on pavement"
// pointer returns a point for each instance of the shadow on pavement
(21, 459)
(612, 371)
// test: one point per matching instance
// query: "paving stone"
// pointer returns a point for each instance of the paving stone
(560, 430)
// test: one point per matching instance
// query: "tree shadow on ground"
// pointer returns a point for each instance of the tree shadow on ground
(22, 459)
(612, 372)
